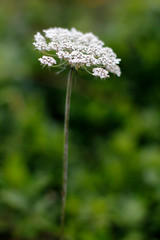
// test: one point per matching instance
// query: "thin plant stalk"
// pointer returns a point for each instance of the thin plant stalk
(65, 154)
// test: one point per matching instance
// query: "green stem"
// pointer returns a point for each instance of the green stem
(65, 154)
(87, 71)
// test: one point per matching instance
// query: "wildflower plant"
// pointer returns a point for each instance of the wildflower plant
(77, 51)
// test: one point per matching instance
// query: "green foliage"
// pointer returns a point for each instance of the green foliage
(114, 145)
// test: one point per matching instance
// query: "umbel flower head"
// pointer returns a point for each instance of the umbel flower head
(76, 50)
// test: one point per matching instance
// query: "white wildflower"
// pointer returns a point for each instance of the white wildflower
(45, 60)
(77, 50)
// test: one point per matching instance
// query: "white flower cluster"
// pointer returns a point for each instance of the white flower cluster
(77, 50)
(45, 60)
(100, 72)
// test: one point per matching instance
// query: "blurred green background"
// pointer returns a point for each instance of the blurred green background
(114, 142)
